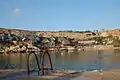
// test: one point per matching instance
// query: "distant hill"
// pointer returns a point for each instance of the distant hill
(14, 31)
(70, 34)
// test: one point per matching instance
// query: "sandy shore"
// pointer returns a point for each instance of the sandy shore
(112, 74)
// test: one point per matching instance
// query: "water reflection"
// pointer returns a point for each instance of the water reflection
(66, 60)
(99, 60)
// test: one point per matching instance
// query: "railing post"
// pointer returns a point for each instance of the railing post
(42, 61)
(28, 66)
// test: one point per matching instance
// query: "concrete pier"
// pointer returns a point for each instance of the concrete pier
(113, 74)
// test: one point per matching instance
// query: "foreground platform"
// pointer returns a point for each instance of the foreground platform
(113, 74)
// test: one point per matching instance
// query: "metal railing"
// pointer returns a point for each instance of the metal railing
(41, 62)
(28, 66)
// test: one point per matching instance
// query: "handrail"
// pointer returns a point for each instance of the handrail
(28, 67)
(42, 61)
(44, 51)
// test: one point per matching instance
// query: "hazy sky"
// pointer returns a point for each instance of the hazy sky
(60, 14)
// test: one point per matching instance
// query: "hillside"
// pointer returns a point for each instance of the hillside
(76, 35)
(111, 32)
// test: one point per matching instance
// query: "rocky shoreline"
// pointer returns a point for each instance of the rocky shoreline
(95, 47)
(16, 49)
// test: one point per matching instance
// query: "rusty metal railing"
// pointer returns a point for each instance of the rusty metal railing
(43, 53)
(28, 63)
(42, 61)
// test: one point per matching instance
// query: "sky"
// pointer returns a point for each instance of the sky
(56, 15)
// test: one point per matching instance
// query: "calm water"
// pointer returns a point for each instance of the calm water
(66, 60)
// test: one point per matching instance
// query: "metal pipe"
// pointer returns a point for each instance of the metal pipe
(50, 61)
(28, 67)
(42, 61)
